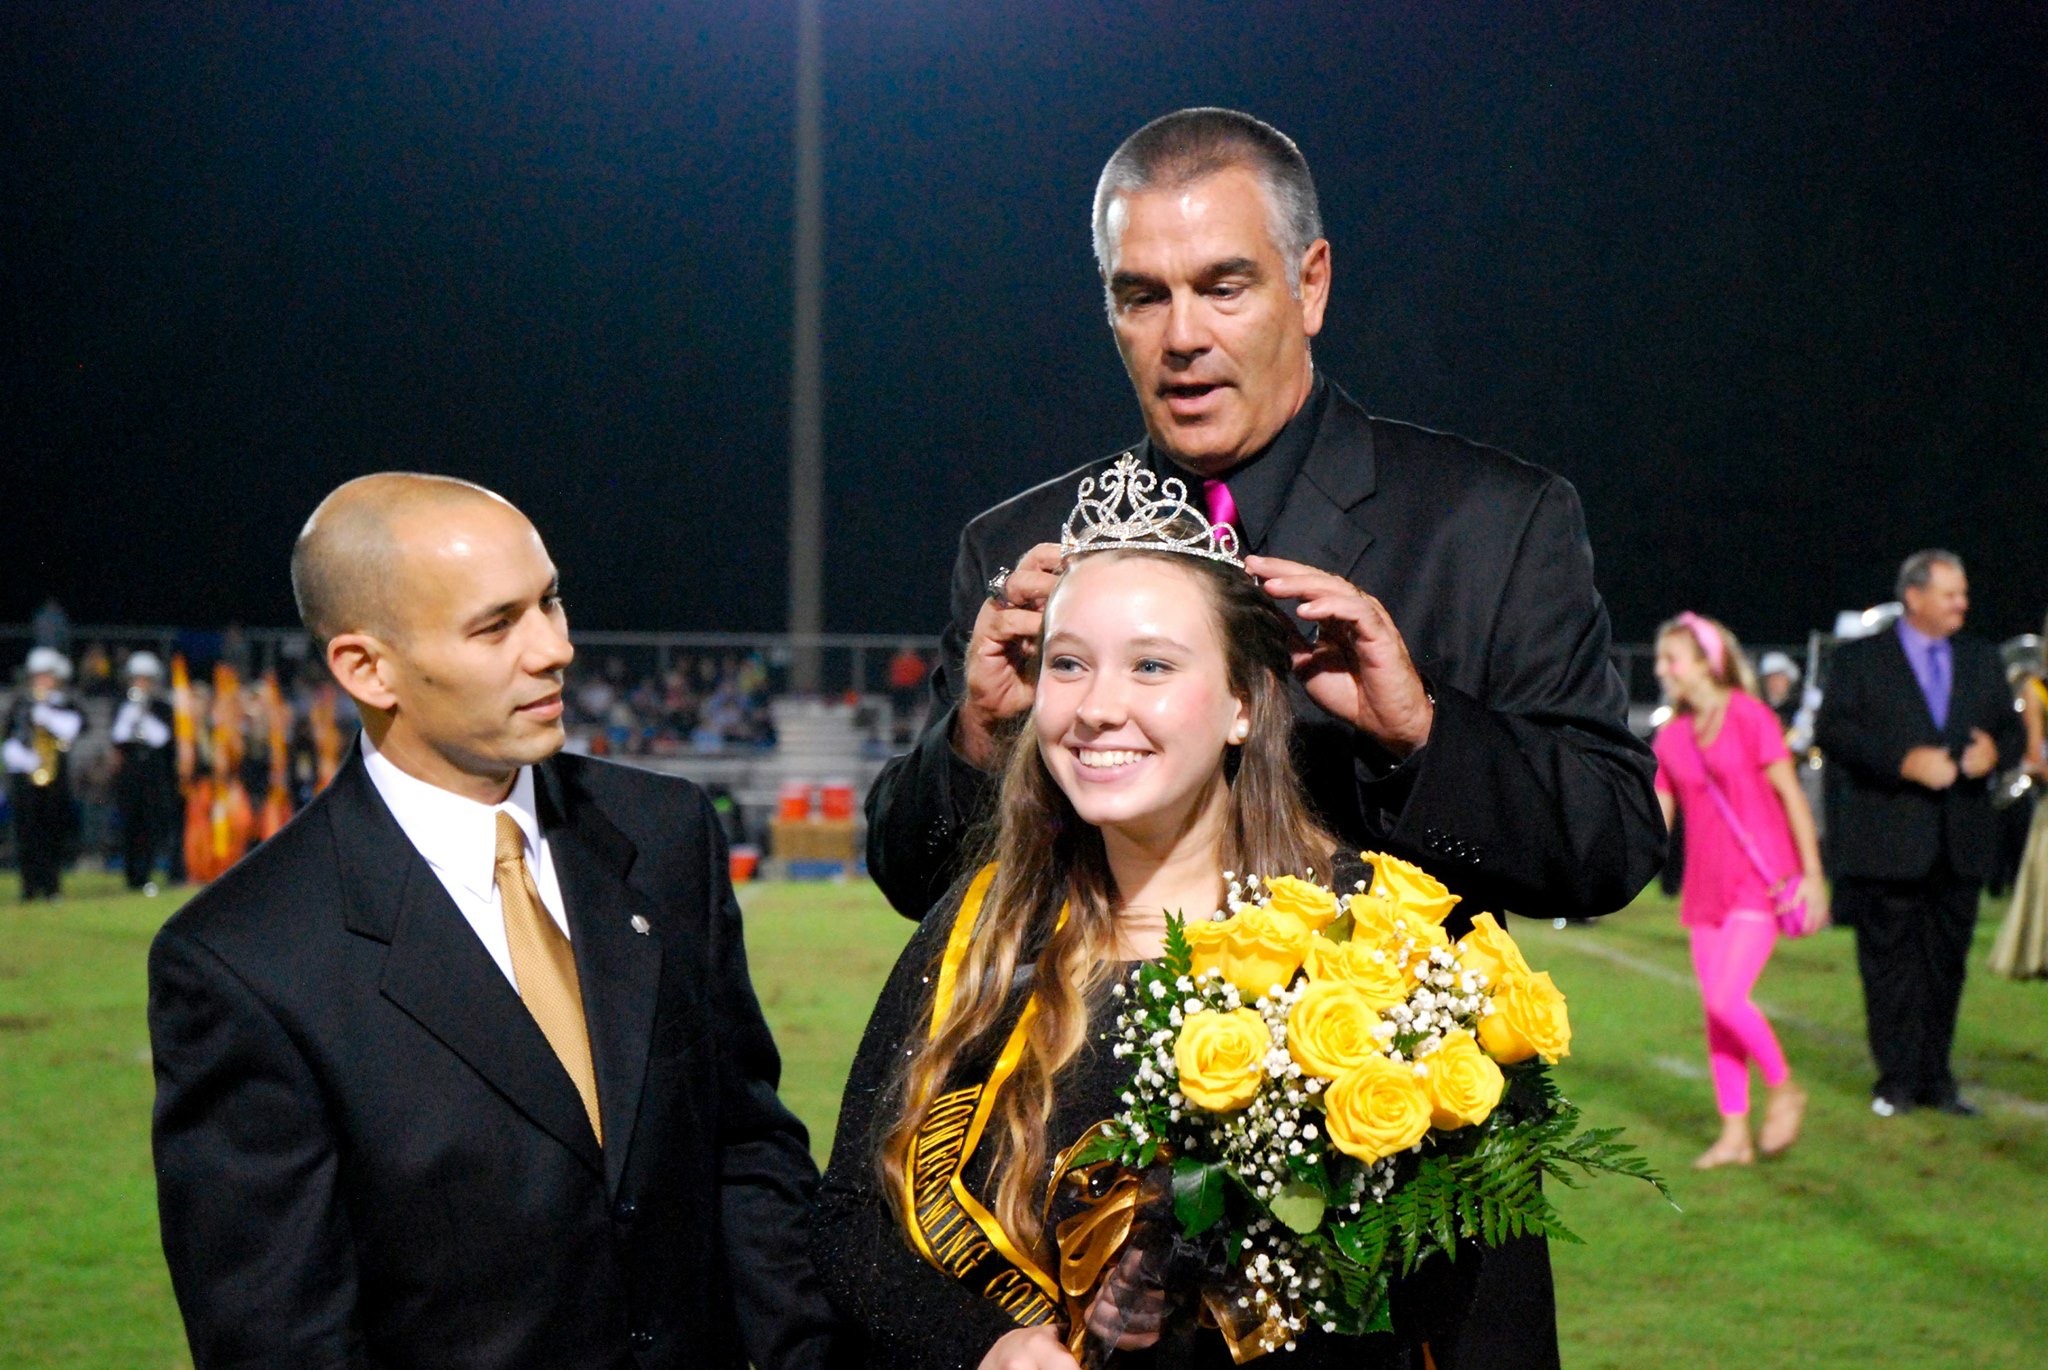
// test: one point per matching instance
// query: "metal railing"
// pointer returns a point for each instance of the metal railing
(852, 663)
(853, 674)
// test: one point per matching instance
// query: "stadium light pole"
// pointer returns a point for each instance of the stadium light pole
(806, 384)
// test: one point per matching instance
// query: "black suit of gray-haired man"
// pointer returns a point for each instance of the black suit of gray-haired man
(1913, 723)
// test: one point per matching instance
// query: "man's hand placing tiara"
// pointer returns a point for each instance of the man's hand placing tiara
(1358, 668)
(1000, 671)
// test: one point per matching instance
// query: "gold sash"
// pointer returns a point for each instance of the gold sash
(948, 1225)
(951, 1229)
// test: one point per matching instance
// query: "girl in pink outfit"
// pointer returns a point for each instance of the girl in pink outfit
(1722, 737)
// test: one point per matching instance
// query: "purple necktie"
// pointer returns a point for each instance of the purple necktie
(1222, 508)
(1937, 683)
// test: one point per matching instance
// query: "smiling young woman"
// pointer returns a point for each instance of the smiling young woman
(1156, 757)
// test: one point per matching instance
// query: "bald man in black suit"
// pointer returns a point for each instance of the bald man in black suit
(464, 1068)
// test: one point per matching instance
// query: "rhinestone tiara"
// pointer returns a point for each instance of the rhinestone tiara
(1116, 511)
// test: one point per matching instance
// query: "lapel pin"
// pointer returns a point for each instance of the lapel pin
(640, 924)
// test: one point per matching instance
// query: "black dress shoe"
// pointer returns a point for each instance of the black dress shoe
(1958, 1107)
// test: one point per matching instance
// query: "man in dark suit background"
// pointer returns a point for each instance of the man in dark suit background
(1457, 706)
(464, 1068)
(1913, 722)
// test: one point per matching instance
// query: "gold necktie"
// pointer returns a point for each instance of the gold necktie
(544, 966)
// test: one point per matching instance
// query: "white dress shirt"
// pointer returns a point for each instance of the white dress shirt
(459, 839)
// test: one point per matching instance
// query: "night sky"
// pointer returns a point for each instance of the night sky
(1766, 281)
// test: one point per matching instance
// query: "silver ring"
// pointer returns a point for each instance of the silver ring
(995, 588)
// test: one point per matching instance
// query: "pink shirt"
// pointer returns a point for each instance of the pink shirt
(1719, 876)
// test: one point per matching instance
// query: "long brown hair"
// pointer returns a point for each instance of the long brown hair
(1046, 858)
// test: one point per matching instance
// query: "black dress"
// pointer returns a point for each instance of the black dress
(897, 1310)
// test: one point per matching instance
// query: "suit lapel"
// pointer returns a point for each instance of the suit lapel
(1966, 683)
(436, 970)
(618, 966)
(1322, 521)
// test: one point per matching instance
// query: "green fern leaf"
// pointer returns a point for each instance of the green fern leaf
(1180, 957)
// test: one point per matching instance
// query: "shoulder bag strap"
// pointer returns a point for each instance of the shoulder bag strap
(1777, 884)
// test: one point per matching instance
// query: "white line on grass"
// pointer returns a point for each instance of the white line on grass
(1679, 1066)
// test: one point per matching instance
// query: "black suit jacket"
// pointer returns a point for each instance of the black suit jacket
(1883, 827)
(367, 1154)
(1531, 795)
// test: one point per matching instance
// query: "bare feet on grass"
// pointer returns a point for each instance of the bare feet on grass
(1732, 1147)
(1782, 1116)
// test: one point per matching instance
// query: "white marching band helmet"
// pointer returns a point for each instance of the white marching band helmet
(145, 664)
(49, 661)
(1777, 663)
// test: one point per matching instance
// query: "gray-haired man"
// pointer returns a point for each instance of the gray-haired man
(1473, 724)
(1913, 724)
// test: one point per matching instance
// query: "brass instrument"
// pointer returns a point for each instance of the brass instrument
(49, 753)
(48, 749)
(2023, 671)
(2008, 787)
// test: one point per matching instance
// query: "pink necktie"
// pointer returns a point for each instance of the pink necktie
(1222, 508)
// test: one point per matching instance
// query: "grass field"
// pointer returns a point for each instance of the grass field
(1916, 1241)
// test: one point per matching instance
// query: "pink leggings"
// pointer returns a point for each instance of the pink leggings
(1728, 960)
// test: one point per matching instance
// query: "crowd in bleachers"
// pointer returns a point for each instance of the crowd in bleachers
(713, 702)
(702, 704)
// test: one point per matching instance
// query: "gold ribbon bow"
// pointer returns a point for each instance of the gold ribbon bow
(1248, 1333)
(1089, 1240)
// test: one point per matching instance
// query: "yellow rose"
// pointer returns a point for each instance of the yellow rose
(1489, 950)
(1205, 939)
(1410, 886)
(1383, 923)
(1462, 1084)
(1379, 975)
(1528, 1019)
(1262, 948)
(1376, 1110)
(1330, 1029)
(1305, 899)
(1222, 1058)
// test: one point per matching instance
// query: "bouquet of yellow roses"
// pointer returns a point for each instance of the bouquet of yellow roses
(1341, 1091)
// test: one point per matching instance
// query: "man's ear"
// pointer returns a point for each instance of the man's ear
(1315, 285)
(361, 665)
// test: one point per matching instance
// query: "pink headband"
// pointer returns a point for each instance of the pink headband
(1709, 638)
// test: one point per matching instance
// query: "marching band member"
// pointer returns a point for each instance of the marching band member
(146, 786)
(42, 724)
